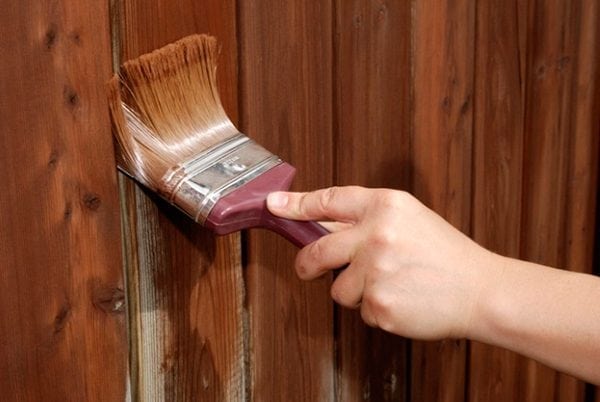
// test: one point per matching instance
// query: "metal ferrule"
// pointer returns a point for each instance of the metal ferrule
(197, 185)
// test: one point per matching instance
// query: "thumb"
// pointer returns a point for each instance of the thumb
(344, 204)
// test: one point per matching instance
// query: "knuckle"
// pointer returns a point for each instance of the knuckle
(316, 250)
(380, 304)
(385, 198)
(383, 237)
(303, 204)
(366, 315)
(379, 267)
(337, 294)
(341, 296)
(327, 198)
(394, 200)
(386, 323)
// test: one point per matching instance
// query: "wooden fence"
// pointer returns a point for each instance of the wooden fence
(488, 111)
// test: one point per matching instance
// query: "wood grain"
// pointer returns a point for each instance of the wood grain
(584, 138)
(185, 286)
(584, 157)
(557, 62)
(497, 170)
(286, 104)
(552, 59)
(487, 111)
(62, 321)
(372, 148)
(441, 148)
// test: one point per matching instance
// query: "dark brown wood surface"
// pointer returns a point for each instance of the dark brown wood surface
(441, 159)
(286, 104)
(548, 138)
(62, 307)
(185, 286)
(372, 148)
(487, 111)
(497, 185)
(552, 35)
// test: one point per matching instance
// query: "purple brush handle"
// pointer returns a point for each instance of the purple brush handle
(246, 208)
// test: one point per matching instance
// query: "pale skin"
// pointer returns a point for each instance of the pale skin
(413, 274)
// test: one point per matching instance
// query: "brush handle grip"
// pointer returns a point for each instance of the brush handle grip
(246, 208)
(299, 233)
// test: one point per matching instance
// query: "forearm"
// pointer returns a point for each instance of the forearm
(550, 315)
(413, 274)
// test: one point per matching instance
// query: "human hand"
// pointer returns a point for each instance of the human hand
(409, 271)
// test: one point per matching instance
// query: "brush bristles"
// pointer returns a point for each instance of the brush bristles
(165, 108)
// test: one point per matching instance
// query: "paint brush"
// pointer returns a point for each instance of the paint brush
(174, 137)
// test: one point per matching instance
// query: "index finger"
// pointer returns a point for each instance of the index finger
(344, 204)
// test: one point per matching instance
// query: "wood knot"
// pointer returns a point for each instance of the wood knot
(50, 37)
(382, 12)
(71, 97)
(68, 212)
(92, 201)
(76, 37)
(53, 159)
(62, 317)
(540, 71)
(170, 358)
(111, 300)
(466, 105)
(208, 377)
(562, 63)
(446, 103)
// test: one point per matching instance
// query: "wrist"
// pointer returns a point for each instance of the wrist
(492, 304)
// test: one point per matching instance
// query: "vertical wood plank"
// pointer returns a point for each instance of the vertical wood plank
(443, 53)
(62, 321)
(551, 103)
(372, 134)
(498, 159)
(569, 39)
(286, 104)
(584, 157)
(185, 286)
(584, 138)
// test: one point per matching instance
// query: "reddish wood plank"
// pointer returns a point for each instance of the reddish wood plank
(185, 286)
(443, 52)
(583, 153)
(372, 132)
(62, 321)
(552, 35)
(286, 104)
(498, 157)
(494, 372)
(584, 137)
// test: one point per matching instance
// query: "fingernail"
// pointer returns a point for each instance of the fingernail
(277, 200)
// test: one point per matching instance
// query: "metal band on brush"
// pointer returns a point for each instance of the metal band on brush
(195, 186)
